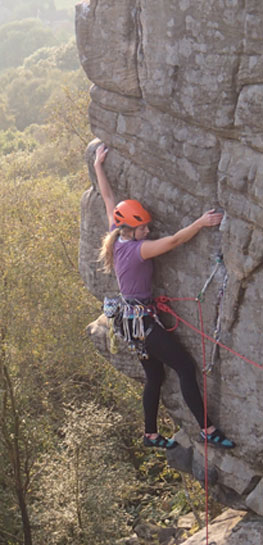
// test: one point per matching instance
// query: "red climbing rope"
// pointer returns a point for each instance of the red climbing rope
(161, 305)
(205, 418)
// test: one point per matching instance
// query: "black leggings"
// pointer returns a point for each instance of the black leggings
(163, 347)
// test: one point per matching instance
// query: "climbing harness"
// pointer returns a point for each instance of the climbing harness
(127, 322)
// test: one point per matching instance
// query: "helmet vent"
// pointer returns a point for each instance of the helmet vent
(138, 218)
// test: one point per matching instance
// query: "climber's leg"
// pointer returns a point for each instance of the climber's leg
(151, 396)
(154, 377)
(166, 347)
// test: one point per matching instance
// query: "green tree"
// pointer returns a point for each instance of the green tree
(14, 442)
(67, 57)
(27, 96)
(28, 91)
(13, 140)
(19, 39)
(64, 57)
(6, 118)
(69, 130)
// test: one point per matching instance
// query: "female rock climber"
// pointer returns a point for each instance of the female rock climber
(127, 249)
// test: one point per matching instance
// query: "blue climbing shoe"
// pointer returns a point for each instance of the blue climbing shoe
(159, 442)
(171, 443)
(217, 439)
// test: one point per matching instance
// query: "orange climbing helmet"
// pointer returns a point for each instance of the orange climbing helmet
(130, 213)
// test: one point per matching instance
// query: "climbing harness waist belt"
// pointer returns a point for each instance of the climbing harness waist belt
(145, 302)
(137, 308)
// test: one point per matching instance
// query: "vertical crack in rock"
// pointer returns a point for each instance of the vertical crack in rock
(238, 304)
(95, 6)
(139, 52)
(138, 56)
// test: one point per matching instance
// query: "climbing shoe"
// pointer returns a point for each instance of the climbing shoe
(217, 439)
(171, 443)
(159, 442)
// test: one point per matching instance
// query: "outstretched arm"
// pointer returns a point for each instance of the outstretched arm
(104, 186)
(153, 248)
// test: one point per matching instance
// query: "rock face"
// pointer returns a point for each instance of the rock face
(231, 528)
(177, 97)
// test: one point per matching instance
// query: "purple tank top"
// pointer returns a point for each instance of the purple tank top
(134, 274)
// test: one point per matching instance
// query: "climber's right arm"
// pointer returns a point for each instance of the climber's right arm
(154, 248)
(104, 186)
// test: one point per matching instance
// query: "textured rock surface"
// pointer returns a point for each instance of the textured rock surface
(177, 97)
(231, 528)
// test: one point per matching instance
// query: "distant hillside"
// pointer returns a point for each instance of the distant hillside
(46, 10)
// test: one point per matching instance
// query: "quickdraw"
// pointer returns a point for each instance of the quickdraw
(219, 262)
(217, 330)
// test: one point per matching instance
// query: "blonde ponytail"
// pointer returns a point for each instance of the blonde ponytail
(106, 250)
